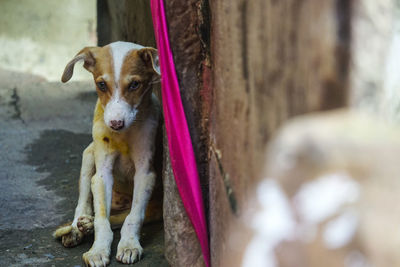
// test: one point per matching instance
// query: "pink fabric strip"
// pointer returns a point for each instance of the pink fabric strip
(180, 145)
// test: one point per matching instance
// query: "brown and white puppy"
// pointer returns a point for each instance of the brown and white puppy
(124, 128)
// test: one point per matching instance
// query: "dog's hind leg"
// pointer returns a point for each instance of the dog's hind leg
(72, 234)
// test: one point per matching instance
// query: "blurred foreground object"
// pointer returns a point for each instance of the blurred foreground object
(328, 197)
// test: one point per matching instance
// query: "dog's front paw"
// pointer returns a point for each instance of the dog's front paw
(129, 251)
(97, 257)
(70, 236)
(85, 224)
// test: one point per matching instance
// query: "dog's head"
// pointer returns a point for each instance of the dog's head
(124, 73)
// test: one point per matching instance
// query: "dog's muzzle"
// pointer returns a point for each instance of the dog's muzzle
(117, 124)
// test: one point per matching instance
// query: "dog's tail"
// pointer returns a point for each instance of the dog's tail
(116, 221)
(62, 230)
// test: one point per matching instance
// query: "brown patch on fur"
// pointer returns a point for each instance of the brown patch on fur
(120, 202)
(103, 72)
(106, 139)
(135, 68)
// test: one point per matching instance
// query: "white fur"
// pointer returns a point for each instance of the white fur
(322, 198)
(340, 231)
(101, 183)
(356, 259)
(118, 109)
(107, 175)
(315, 202)
(272, 225)
(119, 50)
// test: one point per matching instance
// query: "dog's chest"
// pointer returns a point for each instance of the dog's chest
(124, 169)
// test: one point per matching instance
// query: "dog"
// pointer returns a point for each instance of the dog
(121, 154)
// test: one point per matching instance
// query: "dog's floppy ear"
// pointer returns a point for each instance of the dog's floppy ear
(150, 56)
(86, 54)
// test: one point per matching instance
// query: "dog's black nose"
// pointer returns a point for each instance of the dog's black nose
(117, 125)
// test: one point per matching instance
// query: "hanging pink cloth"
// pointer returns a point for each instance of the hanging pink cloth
(180, 145)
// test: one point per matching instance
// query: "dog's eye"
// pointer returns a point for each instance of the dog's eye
(102, 86)
(134, 85)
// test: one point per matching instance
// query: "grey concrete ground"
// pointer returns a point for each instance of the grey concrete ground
(44, 127)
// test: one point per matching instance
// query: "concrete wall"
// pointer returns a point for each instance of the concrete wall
(41, 38)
